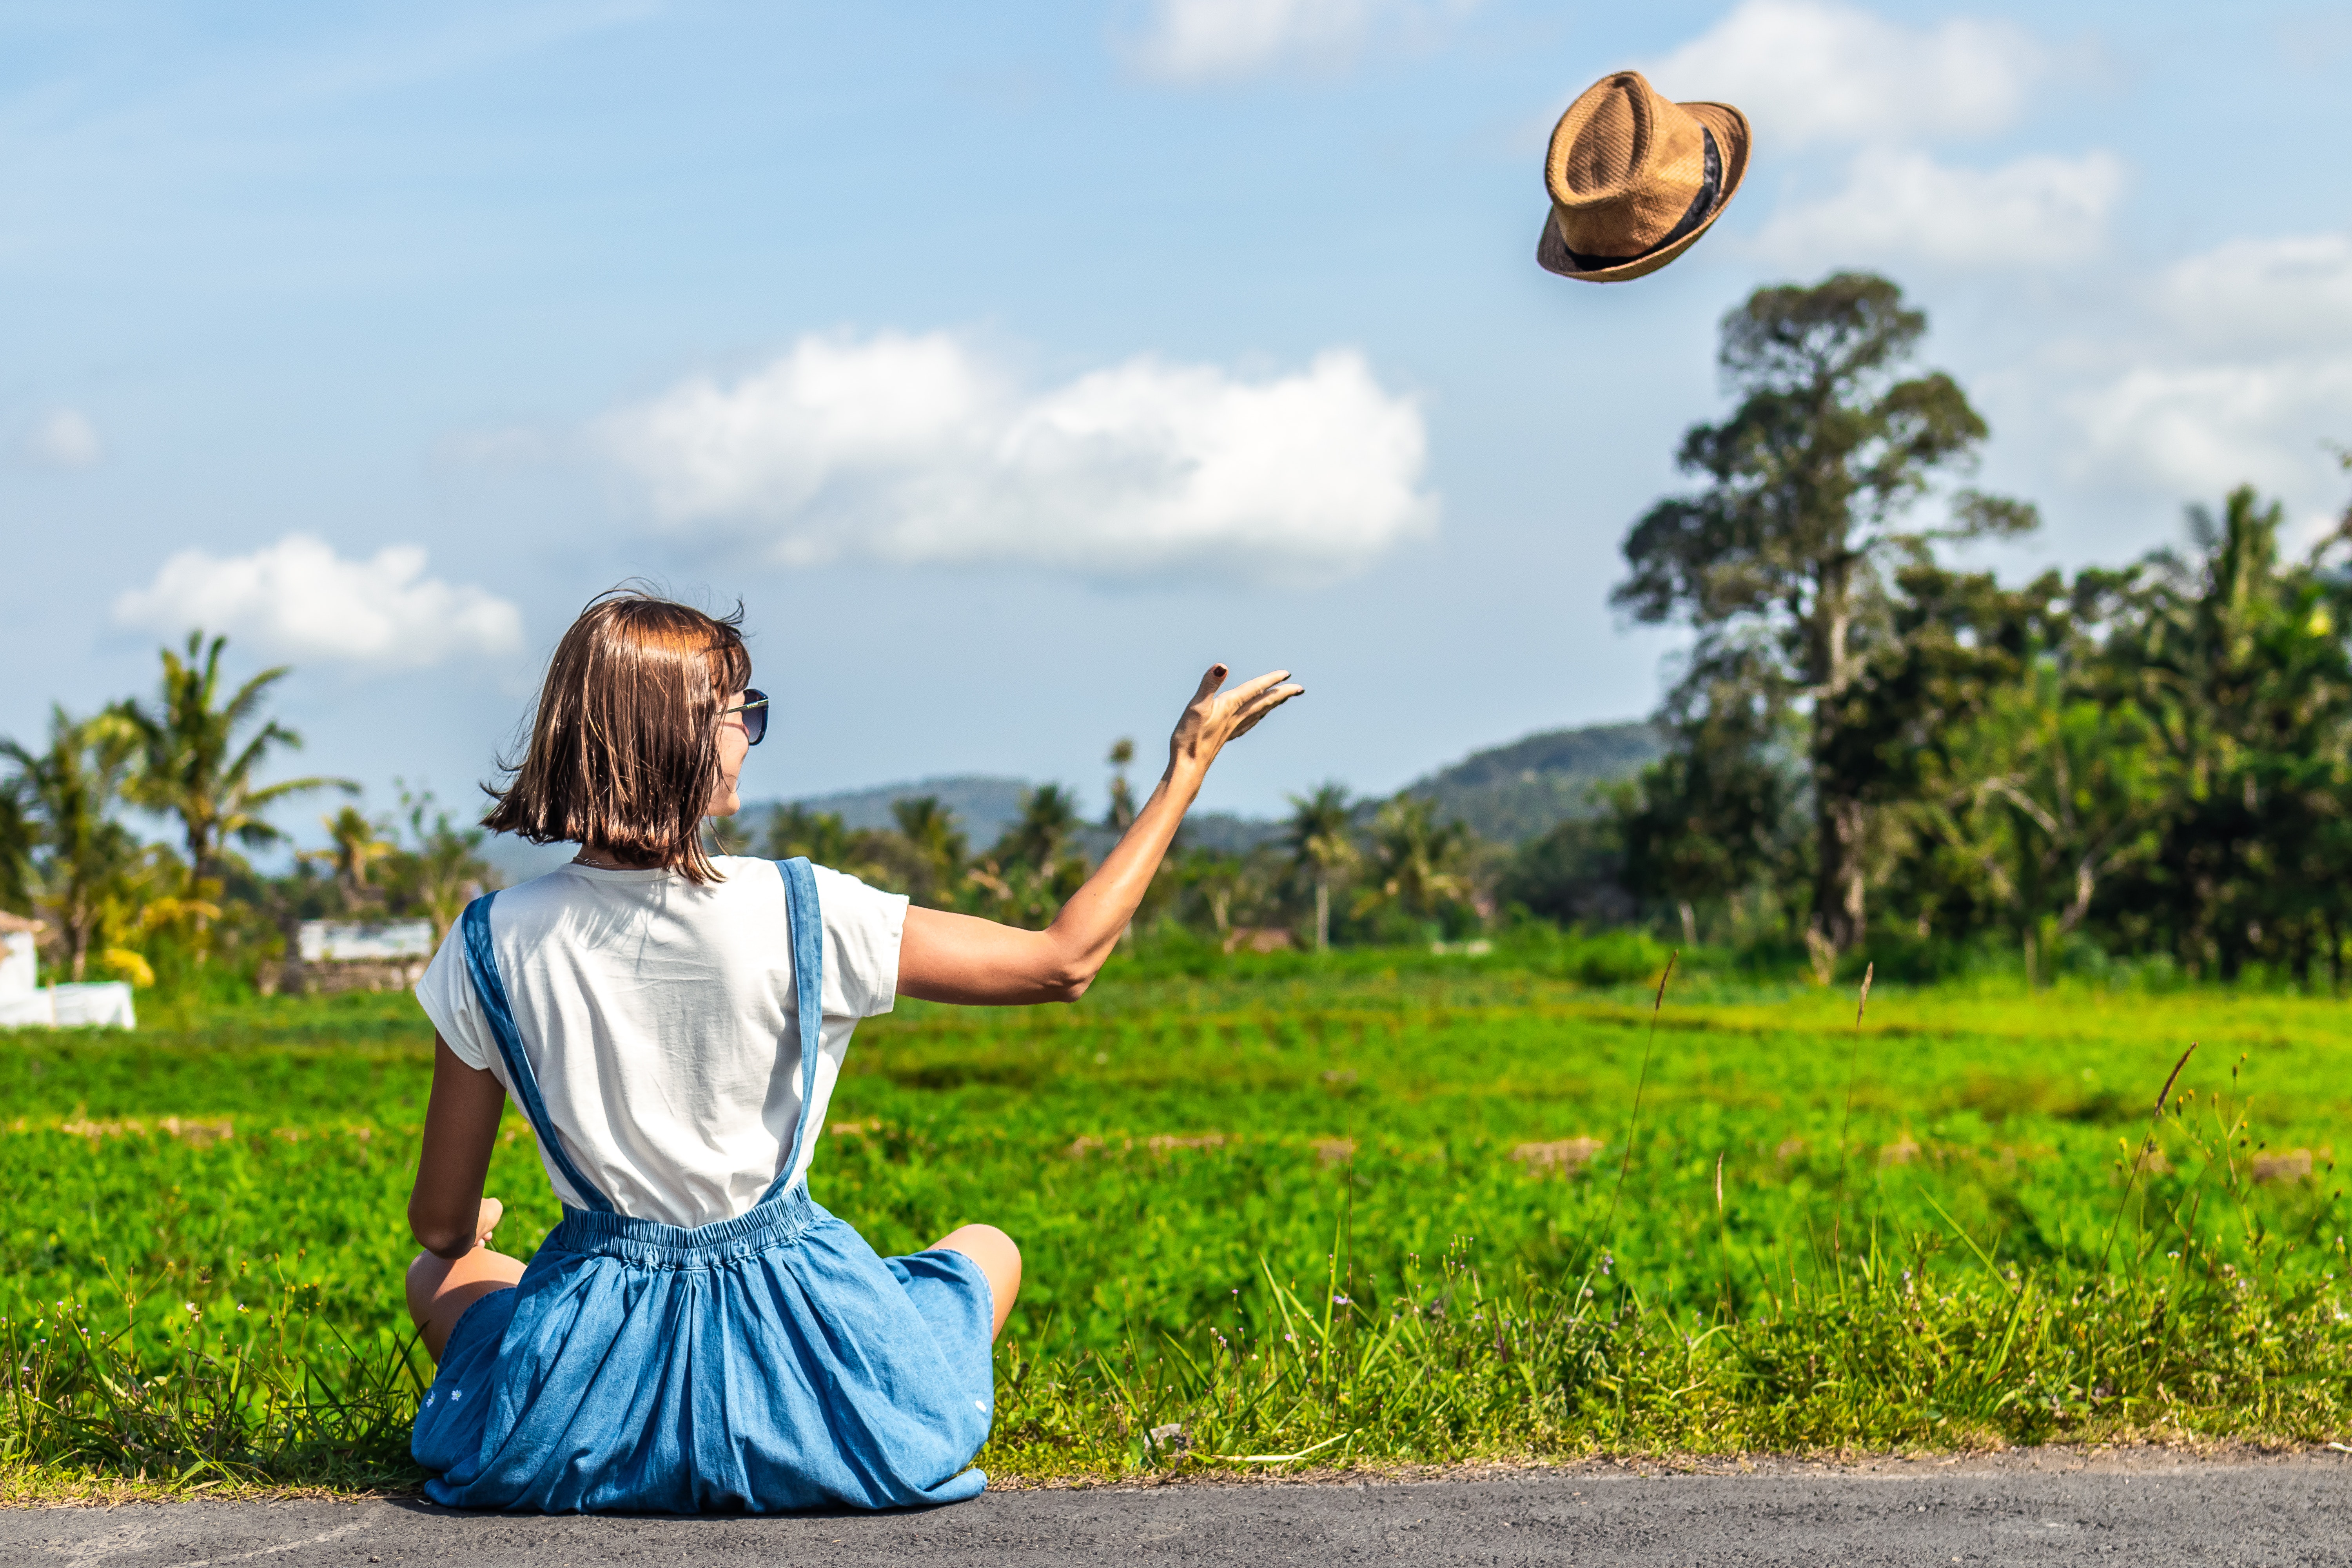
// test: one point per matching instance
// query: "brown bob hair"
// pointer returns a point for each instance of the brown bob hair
(623, 749)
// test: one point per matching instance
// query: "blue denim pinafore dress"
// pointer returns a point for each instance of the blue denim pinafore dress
(761, 1363)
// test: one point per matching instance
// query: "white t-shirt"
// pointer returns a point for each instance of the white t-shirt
(657, 1016)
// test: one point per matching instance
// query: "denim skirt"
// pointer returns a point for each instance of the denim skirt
(766, 1363)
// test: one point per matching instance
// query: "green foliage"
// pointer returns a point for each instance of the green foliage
(1029, 873)
(1418, 871)
(2151, 761)
(936, 851)
(440, 869)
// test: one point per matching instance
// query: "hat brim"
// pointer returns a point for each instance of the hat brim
(1732, 136)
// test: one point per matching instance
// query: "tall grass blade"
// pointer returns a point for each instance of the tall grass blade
(1722, 1235)
(1853, 1063)
(1634, 1122)
(2155, 1117)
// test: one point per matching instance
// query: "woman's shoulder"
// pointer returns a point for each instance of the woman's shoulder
(840, 894)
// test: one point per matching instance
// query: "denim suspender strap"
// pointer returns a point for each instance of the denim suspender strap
(807, 932)
(482, 965)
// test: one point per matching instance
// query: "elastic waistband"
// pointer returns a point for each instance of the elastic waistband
(779, 1222)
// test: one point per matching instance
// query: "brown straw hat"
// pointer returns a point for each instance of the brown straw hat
(1635, 179)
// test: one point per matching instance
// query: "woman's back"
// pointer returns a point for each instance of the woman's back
(657, 1014)
(698, 1333)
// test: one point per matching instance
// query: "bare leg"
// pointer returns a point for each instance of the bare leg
(998, 1258)
(440, 1289)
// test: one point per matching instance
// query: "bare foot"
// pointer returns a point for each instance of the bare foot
(486, 1219)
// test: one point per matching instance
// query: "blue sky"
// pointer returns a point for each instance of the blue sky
(1012, 363)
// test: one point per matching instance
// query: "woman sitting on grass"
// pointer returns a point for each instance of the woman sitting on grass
(697, 1333)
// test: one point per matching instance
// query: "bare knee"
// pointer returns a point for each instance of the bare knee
(984, 1245)
(440, 1289)
(999, 1258)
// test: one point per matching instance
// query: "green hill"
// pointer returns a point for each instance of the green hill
(1513, 793)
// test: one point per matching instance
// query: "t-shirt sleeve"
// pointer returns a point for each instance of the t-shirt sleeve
(447, 995)
(863, 927)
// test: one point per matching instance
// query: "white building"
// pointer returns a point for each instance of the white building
(358, 956)
(25, 1002)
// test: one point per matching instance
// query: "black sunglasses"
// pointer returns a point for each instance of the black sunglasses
(755, 708)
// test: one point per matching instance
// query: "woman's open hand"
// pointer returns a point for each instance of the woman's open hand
(1216, 716)
(946, 957)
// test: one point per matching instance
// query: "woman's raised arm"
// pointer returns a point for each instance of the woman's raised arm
(959, 958)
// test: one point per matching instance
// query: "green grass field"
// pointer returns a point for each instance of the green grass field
(1361, 1209)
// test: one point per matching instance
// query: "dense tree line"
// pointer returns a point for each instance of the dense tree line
(1869, 744)
(1335, 868)
(190, 908)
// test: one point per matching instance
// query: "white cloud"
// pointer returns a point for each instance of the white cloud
(2035, 211)
(2285, 294)
(913, 450)
(1218, 40)
(1812, 70)
(2242, 375)
(299, 599)
(65, 439)
(2201, 430)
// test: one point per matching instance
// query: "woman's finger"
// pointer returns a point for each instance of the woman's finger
(1265, 705)
(1250, 688)
(1211, 681)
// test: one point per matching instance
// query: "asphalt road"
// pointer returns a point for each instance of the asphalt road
(2149, 1510)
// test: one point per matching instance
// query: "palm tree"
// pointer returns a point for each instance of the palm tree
(937, 844)
(795, 831)
(1049, 815)
(355, 843)
(1416, 858)
(69, 792)
(20, 835)
(191, 766)
(1122, 793)
(1318, 833)
(445, 871)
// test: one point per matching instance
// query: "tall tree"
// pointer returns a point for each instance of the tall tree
(1319, 832)
(70, 791)
(193, 765)
(1122, 793)
(1777, 563)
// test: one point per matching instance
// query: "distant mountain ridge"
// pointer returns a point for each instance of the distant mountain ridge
(983, 804)
(1506, 793)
